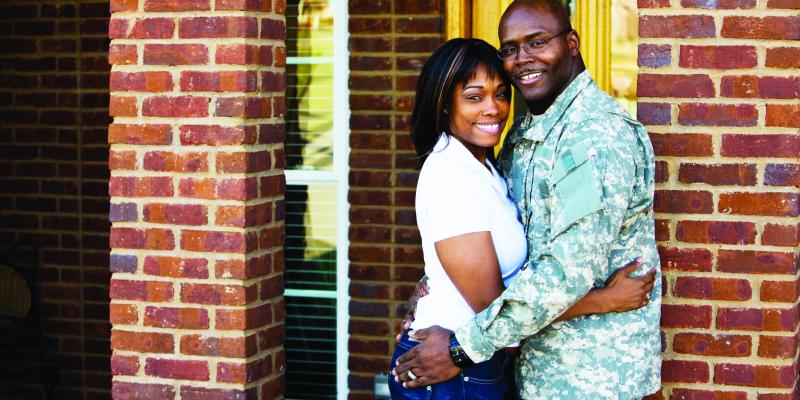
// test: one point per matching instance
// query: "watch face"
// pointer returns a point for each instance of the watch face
(459, 357)
(454, 354)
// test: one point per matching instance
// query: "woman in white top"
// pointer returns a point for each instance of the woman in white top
(472, 239)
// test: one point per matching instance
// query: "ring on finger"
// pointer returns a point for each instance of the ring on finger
(411, 375)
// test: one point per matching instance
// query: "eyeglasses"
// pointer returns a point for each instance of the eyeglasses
(534, 46)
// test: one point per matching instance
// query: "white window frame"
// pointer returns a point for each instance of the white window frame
(338, 178)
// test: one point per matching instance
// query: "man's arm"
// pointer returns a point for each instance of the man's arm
(590, 198)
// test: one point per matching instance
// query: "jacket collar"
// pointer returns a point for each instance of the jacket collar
(536, 129)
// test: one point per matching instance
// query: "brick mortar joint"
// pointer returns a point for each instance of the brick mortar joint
(717, 74)
(208, 41)
(718, 131)
(177, 302)
(717, 41)
(755, 101)
(140, 173)
(198, 14)
(175, 70)
(756, 279)
(177, 283)
(726, 160)
(209, 95)
(754, 303)
(677, 11)
(244, 256)
(177, 384)
(750, 360)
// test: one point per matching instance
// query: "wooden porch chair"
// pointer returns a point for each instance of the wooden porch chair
(21, 348)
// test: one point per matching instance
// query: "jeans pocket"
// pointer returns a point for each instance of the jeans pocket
(487, 380)
(490, 371)
(484, 390)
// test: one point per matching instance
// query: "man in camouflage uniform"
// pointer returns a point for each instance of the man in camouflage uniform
(581, 172)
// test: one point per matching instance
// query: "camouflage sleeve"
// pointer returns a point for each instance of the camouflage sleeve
(591, 185)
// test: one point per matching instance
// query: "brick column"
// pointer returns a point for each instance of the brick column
(718, 89)
(197, 96)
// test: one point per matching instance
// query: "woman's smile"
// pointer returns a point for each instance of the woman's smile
(489, 127)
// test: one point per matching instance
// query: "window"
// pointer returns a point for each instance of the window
(316, 199)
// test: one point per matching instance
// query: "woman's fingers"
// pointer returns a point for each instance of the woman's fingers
(632, 267)
(650, 276)
(624, 271)
(421, 334)
(648, 288)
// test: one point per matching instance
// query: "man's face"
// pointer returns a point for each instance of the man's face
(541, 76)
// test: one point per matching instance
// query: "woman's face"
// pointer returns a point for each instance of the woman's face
(478, 112)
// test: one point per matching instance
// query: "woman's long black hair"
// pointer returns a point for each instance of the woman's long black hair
(454, 62)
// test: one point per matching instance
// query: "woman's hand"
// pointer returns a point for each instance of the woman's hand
(624, 293)
(421, 290)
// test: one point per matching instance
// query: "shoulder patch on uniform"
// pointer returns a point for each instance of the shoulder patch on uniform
(576, 190)
(571, 159)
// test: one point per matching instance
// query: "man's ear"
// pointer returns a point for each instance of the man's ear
(574, 43)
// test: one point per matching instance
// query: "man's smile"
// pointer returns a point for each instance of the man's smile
(528, 77)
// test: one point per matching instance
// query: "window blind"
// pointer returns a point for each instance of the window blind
(311, 273)
(310, 348)
(314, 199)
(311, 237)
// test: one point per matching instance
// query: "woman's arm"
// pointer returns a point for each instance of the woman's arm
(622, 293)
(471, 264)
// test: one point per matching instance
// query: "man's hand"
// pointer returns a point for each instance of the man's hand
(623, 293)
(421, 290)
(428, 361)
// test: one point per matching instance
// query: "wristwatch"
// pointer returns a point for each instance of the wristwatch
(458, 355)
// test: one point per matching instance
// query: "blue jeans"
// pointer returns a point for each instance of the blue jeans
(483, 381)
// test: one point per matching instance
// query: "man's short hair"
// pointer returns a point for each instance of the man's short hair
(556, 7)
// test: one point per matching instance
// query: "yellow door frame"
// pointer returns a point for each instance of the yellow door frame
(593, 23)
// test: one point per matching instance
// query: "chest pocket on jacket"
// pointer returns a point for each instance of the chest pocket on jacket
(576, 189)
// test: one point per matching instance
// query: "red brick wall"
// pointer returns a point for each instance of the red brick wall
(718, 89)
(389, 42)
(197, 186)
(53, 175)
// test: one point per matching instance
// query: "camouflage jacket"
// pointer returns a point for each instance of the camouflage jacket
(582, 176)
